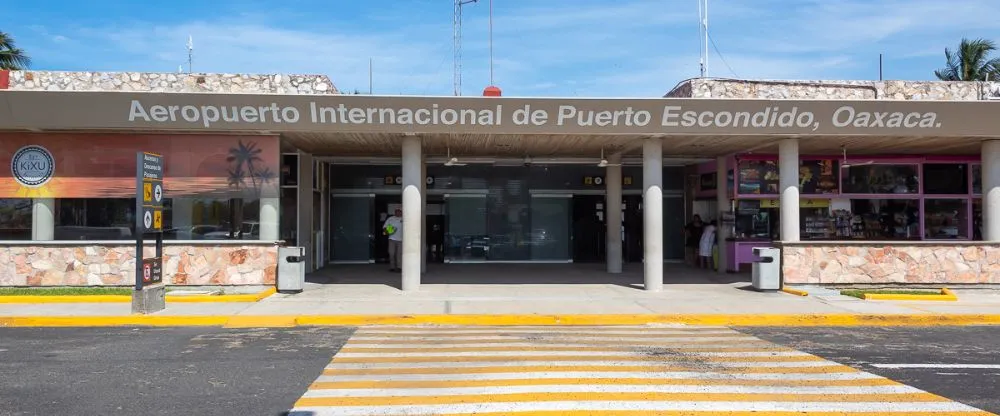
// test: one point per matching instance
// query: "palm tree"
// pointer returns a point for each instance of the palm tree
(971, 62)
(10, 56)
(246, 155)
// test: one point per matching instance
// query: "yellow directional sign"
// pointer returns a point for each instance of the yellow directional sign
(147, 192)
(157, 219)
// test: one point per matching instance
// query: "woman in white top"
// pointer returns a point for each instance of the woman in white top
(706, 244)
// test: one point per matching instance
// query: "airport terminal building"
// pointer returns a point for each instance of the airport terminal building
(857, 182)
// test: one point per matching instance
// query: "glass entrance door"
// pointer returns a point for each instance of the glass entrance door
(466, 235)
(551, 218)
(350, 228)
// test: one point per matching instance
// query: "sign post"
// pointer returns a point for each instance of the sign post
(149, 294)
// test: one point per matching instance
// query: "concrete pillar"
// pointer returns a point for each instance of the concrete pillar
(269, 214)
(788, 180)
(43, 219)
(305, 215)
(412, 212)
(423, 217)
(722, 203)
(991, 190)
(613, 213)
(652, 213)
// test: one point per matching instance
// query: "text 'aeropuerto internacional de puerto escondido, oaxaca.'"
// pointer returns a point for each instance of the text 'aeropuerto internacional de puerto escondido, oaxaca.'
(767, 116)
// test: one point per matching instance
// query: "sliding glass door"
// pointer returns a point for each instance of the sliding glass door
(551, 221)
(466, 236)
(351, 227)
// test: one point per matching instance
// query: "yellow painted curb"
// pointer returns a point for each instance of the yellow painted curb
(795, 292)
(946, 295)
(66, 299)
(247, 298)
(263, 321)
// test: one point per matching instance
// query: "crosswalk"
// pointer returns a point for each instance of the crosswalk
(612, 370)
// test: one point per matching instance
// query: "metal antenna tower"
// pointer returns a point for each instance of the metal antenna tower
(458, 43)
(190, 46)
(703, 36)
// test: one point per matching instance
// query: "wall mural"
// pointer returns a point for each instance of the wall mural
(103, 165)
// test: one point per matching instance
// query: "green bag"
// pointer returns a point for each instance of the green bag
(389, 229)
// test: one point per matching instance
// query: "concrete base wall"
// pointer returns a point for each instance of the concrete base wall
(890, 263)
(113, 264)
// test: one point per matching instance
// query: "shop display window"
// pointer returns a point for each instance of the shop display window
(885, 219)
(758, 177)
(15, 219)
(946, 179)
(946, 219)
(756, 219)
(819, 177)
(977, 219)
(881, 179)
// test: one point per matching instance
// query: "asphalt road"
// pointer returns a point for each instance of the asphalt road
(160, 371)
(922, 350)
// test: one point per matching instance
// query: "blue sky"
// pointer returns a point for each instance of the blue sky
(541, 47)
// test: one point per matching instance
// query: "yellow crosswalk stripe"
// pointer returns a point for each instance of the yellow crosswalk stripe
(610, 370)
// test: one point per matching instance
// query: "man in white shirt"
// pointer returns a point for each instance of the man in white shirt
(393, 228)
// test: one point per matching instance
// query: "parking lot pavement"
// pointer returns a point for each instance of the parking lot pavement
(961, 363)
(160, 371)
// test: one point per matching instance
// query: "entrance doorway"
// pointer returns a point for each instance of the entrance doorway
(589, 230)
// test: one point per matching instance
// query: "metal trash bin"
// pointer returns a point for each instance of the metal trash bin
(766, 275)
(291, 269)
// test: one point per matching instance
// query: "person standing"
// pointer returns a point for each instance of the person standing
(692, 235)
(706, 244)
(393, 228)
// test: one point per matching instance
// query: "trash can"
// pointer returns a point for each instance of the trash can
(291, 269)
(766, 275)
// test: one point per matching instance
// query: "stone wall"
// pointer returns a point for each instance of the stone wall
(835, 90)
(171, 82)
(890, 263)
(39, 264)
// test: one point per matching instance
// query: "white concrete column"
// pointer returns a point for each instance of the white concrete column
(412, 213)
(788, 180)
(423, 218)
(613, 213)
(43, 219)
(991, 190)
(652, 213)
(305, 215)
(269, 214)
(722, 203)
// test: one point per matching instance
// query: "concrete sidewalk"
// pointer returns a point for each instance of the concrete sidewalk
(554, 299)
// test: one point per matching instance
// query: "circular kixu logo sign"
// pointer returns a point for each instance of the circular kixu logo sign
(32, 166)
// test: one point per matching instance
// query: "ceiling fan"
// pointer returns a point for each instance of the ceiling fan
(452, 161)
(604, 162)
(844, 164)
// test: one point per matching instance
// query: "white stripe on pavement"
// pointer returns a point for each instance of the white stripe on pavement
(418, 339)
(687, 363)
(610, 388)
(968, 366)
(644, 375)
(638, 352)
(470, 408)
(549, 332)
(762, 345)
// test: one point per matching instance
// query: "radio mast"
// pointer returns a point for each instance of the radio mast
(703, 36)
(190, 46)
(458, 43)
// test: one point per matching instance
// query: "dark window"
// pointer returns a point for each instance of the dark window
(881, 179)
(946, 179)
(15, 219)
(184, 219)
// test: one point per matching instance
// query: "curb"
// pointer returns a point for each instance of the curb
(946, 295)
(247, 298)
(276, 321)
(796, 292)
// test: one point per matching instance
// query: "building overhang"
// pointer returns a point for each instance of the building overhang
(358, 125)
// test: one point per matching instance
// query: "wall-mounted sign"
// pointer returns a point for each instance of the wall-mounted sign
(819, 176)
(32, 166)
(398, 180)
(803, 203)
(707, 182)
(599, 180)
